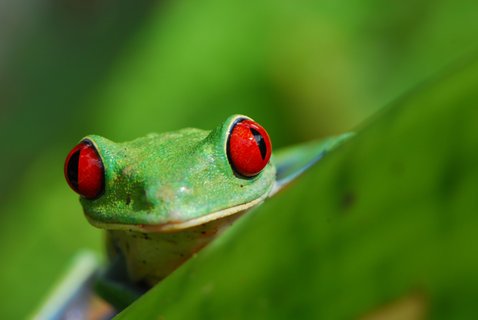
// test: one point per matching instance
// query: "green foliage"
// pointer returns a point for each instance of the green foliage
(303, 69)
(390, 214)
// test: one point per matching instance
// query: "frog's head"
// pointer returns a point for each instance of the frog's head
(175, 180)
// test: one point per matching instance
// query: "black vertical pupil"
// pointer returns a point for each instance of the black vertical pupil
(260, 142)
(72, 169)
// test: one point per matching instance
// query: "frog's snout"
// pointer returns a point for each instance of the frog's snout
(164, 195)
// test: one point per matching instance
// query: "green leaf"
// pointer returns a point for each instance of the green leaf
(390, 218)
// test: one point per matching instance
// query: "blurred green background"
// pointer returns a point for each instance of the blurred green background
(303, 69)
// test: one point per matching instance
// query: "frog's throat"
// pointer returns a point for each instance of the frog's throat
(175, 226)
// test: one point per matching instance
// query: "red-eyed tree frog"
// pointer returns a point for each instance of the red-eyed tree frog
(163, 197)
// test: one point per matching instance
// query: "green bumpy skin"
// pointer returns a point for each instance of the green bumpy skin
(163, 180)
(167, 196)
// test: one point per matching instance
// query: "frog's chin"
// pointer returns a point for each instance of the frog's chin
(176, 226)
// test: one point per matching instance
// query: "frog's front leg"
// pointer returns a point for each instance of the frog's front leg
(115, 283)
(114, 287)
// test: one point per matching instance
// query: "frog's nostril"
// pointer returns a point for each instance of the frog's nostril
(84, 170)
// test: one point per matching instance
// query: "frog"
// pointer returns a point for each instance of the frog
(163, 197)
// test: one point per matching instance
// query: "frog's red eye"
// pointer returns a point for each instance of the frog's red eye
(249, 148)
(84, 170)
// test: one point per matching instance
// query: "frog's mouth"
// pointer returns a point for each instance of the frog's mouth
(175, 226)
